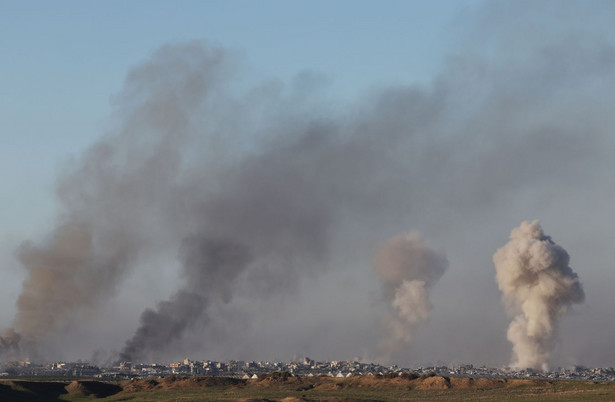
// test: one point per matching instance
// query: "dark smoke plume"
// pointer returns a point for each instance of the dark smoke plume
(9, 341)
(210, 266)
(538, 286)
(171, 177)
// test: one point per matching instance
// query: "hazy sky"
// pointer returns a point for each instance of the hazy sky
(62, 62)
(455, 119)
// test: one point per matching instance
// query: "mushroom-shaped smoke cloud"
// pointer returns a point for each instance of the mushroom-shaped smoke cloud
(537, 286)
(407, 267)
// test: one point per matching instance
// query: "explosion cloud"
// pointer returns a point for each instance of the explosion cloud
(537, 286)
(407, 267)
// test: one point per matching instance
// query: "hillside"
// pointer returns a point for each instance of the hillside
(283, 387)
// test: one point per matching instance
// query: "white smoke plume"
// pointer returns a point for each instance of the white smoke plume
(407, 267)
(537, 287)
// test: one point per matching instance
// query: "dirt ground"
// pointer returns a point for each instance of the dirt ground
(287, 388)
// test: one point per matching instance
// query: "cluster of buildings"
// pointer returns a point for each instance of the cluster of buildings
(580, 373)
(304, 367)
(61, 369)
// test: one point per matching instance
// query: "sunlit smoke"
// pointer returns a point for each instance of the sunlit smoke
(538, 286)
(407, 267)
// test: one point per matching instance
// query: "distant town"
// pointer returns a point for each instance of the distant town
(303, 367)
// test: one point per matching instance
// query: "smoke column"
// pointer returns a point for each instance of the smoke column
(407, 267)
(537, 287)
(115, 198)
(210, 265)
(172, 178)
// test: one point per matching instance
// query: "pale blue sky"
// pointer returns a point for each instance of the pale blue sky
(61, 62)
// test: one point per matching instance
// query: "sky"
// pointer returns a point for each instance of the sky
(457, 120)
(63, 62)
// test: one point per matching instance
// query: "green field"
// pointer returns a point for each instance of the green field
(301, 388)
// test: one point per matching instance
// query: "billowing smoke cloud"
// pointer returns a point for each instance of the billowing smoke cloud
(117, 196)
(537, 286)
(407, 267)
(172, 178)
(266, 221)
(276, 180)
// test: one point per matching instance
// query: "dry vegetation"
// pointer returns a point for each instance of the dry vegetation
(284, 387)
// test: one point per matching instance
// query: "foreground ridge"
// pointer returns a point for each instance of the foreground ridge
(280, 386)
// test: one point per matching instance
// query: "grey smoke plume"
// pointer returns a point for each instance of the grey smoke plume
(117, 196)
(537, 287)
(209, 266)
(267, 220)
(407, 267)
(270, 172)
(172, 178)
(9, 341)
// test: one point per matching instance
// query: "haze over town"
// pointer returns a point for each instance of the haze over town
(383, 182)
